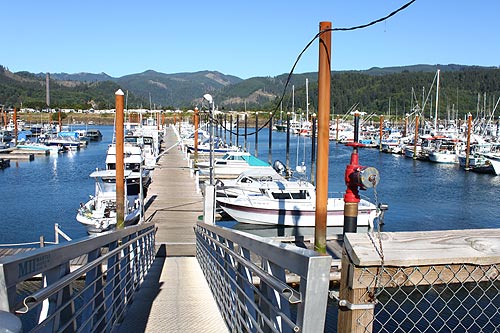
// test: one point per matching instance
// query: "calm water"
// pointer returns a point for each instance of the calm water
(420, 195)
(48, 190)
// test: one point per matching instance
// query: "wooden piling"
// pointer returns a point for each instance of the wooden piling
(324, 80)
(120, 170)
(15, 126)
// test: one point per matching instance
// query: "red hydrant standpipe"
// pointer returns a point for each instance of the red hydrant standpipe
(356, 177)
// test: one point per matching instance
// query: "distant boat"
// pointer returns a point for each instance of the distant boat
(219, 146)
(66, 139)
(94, 134)
(444, 151)
(6, 136)
(494, 160)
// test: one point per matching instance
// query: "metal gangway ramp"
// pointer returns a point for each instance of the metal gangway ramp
(175, 296)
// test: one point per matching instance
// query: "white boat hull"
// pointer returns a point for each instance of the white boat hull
(495, 162)
(95, 222)
(439, 157)
(292, 213)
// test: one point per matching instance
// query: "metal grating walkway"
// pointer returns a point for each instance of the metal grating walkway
(174, 298)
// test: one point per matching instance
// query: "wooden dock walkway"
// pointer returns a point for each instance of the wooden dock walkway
(175, 296)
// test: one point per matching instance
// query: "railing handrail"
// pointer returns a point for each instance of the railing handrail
(22, 266)
(42, 294)
(294, 253)
(227, 258)
(111, 267)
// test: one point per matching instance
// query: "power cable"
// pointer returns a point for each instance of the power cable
(307, 47)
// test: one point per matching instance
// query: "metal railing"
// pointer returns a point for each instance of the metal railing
(248, 276)
(440, 281)
(84, 285)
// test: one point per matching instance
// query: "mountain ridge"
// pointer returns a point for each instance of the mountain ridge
(371, 87)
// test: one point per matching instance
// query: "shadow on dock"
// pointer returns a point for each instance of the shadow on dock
(150, 288)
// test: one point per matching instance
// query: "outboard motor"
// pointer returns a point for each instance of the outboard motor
(279, 167)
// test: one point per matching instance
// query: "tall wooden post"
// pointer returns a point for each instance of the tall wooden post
(59, 120)
(120, 169)
(324, 80)
(15, 126)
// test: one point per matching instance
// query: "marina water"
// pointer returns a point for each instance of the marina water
(420, 195)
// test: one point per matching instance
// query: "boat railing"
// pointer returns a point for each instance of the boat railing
(82, 285)
(250, 279)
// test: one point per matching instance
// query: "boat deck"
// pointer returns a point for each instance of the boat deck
(175, 296)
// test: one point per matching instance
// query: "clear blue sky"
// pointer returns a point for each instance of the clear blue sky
(242, 38)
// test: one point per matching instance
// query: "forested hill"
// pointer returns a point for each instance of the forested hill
(370, 90)
(29, 90)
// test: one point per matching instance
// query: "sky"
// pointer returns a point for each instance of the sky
(242, 38)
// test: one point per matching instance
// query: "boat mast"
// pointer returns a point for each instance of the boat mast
(437, 101)
(307, 99)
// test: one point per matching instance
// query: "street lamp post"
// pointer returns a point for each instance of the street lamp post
(210, 100)
(209, 203)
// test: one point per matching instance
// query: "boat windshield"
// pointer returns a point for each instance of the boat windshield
(301, 195)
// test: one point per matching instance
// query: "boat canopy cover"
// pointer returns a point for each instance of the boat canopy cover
(68, 134)
(254, 161)
(108, 174)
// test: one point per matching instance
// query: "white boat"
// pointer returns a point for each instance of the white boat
(494, 160)
(290, 203)
(134, 162)
(149, 150)
(68, 140)
(444, 151)
(477, 163)
(99, 213)
(232, 164)
(6, 136)
(219, 146)
(248, 181)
